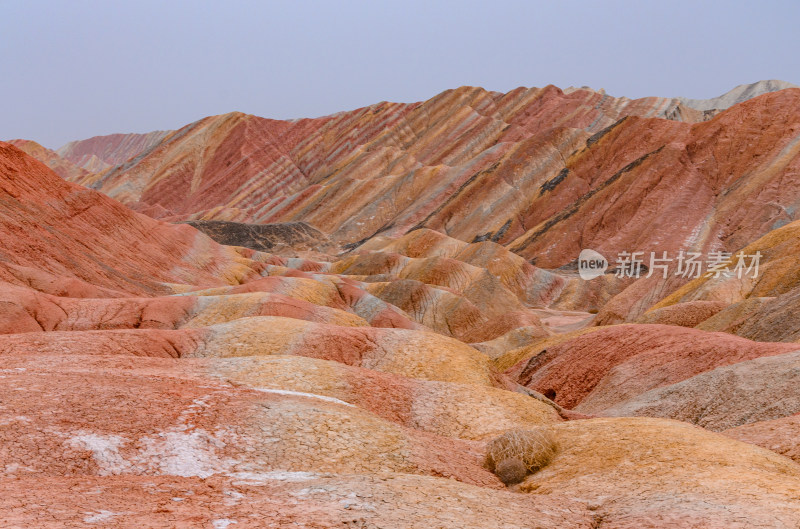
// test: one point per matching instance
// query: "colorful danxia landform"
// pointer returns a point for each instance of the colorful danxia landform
(376, 318)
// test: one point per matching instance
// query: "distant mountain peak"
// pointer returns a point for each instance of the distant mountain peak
(743, 92)
(99, 153)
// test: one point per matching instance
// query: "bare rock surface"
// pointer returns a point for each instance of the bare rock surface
(737, 95)
(599, 369)
(778, 435)
(295, 236)
(382, 294)
(703, 479)
(726, 397)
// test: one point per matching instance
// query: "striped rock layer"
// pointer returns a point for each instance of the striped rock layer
(151, 376)
(540, 171)
(102, 152)
(240, 167)
(61, 166)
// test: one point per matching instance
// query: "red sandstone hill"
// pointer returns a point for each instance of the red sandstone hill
(150, 376)
(411, 163)
(541, 171)
(61, 166)
(53, 227)
(101, 152)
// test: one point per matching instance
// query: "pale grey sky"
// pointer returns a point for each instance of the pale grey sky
(75, 69)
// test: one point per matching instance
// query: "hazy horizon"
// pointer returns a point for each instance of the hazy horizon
(86, 69)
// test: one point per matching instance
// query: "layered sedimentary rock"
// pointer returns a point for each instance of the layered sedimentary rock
(244, 168)
(736, 95)
(61, 166)
(102, 152)
(294, 237)
(778, 435)
(540, 171)
(757, 390)
(723, 484)
(760, 305)
(598, 369)
(401, 291)
(56, 228)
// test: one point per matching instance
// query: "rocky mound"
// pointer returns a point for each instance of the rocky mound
(761, 307)
(599, 369)
(688, 314)
(757, 390)
(778, 435)
(703, 479)
(293, 236)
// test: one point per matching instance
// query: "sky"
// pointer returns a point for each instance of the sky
(75, 69)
